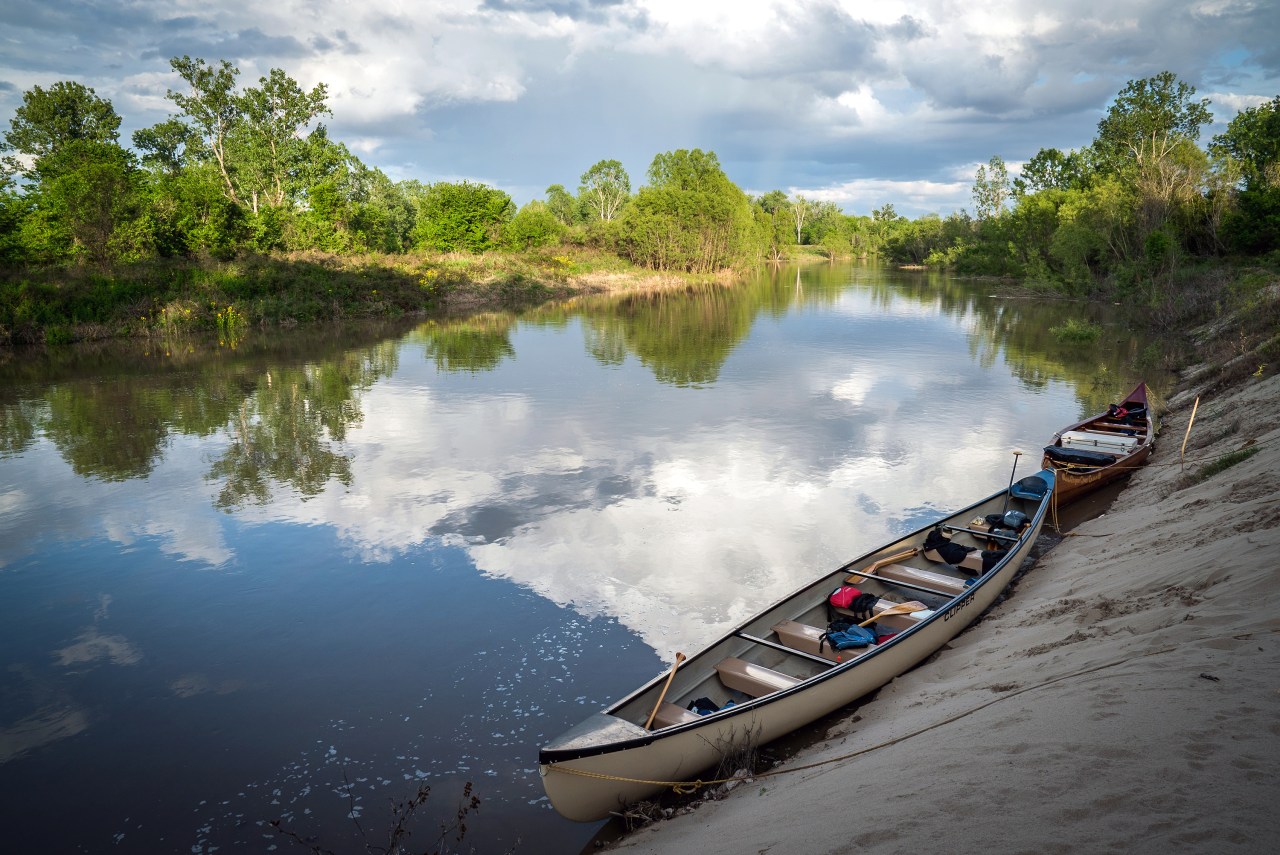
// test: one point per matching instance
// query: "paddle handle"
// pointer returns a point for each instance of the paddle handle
(856, 579)
(667, 685)
(899, 609)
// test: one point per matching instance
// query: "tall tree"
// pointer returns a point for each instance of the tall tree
(212, 106)
(275, 113)
(1251, 144)
(884, 220)
(89, 197)
(800, 210)
(562, 205)
(687, 169)
(1050, 169)
(1252, 139)
(66, 112)
(1149, 119)
(605, 187)
(774, 216)
(1149, 138)
(462, 216)
(256, 137)
(690, 217)
(166, 146)
(84, 199)
(772, 202)
(829, 227)
(991, 188)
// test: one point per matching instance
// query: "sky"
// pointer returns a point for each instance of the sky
(859, 103)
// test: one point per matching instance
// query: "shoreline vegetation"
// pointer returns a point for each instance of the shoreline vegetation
(239, 210)
(63, 306)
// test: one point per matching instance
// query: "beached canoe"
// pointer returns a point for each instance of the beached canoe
(779, 670)
(1101, 449)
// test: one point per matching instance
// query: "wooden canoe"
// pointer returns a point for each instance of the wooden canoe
(1101, 449)
(775, 670)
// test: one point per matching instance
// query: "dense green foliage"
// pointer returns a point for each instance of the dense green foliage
(463, 216)
(690, 216)
(241, 170)
(1131, 214)
(245, 171)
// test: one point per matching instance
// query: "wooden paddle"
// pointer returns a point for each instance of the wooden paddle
(667, 685)
(855, 579)
(916, 606)
(899, 609)
(1009, 490)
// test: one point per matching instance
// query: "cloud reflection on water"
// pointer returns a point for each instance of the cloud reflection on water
(678, 509)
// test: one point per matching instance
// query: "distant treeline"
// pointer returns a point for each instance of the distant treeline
(252, 169)
(1133, 210)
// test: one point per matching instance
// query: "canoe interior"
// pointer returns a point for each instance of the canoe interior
(931, 583)
(770, 676)
(1101, 449)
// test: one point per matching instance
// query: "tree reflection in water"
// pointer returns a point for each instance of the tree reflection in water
(287, 431)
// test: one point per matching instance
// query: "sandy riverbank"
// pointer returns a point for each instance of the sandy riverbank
(1125, 698)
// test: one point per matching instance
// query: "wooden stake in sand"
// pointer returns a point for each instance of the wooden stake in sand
(1182, 455)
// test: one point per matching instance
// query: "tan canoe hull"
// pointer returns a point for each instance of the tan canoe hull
(621, 763)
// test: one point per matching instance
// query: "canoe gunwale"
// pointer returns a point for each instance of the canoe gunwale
(550, 757)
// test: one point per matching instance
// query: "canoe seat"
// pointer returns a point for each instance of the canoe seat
(751, 679)
(927, 578)
(801, 636)
(669, 714)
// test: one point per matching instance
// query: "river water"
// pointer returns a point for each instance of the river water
(296, 576)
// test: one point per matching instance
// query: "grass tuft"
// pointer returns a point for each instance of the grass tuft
(1223, 463)
(1076, 332)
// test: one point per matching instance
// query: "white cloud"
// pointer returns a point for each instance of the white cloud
(909, 198)
(139, 508)
(1228, 104)
(811, 94)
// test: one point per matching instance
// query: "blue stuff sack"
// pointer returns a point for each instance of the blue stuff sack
(706, 706)
(703, 706)
(842, 635)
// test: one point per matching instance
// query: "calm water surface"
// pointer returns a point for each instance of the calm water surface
(297, 578)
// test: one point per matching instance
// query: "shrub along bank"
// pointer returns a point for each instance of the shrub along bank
(61, 305)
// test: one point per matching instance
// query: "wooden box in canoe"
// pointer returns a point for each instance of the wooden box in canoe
(776, 673)
(1101, 449)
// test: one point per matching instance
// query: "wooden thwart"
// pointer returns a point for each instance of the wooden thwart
(981, 533)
